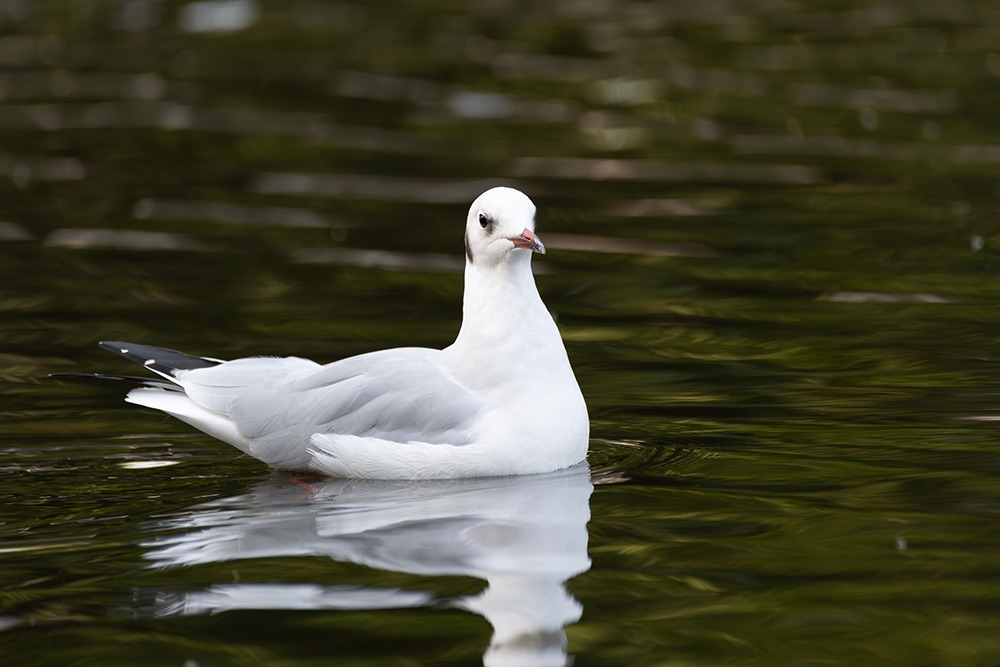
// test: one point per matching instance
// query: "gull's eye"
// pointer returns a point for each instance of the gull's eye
(485, 221)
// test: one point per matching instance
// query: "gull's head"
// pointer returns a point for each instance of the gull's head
(501, 226)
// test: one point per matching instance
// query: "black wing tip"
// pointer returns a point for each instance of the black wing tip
(118, 347)
(102, 377)
(158, 359)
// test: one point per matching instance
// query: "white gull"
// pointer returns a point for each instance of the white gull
(501, 400)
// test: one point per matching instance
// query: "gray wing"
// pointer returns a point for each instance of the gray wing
(400, 395)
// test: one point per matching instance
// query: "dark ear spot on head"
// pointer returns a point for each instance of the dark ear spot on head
(468, 248)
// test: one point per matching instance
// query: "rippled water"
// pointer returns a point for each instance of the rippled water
(773, 240)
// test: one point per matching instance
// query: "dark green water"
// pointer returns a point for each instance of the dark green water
(773, 233)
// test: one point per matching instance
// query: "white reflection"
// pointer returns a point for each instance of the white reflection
(172, 116)
(369, 187)
(380, 259)
(525, 536)
(601, 169)
(219, 15)
(607, 244)
(883, 297)
(53, 169)
(11, 232)
(863, 147)
(471, 104)
(129, 239)
(229, 213)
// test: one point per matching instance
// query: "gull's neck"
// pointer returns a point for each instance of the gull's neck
(506, 328)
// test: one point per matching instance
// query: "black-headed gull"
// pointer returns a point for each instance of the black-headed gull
(501, 400)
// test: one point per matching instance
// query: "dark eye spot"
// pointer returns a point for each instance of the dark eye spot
(485, 221)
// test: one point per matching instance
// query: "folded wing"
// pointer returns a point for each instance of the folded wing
(274, 406)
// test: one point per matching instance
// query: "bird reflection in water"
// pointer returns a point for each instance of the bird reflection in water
(525, 536)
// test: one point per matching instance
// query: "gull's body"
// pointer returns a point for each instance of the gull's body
(501, 400)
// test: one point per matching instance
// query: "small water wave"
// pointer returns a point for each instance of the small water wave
(616, 461)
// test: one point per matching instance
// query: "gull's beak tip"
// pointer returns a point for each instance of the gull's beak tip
(529, 241)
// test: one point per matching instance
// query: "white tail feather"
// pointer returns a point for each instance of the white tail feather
(180, 406)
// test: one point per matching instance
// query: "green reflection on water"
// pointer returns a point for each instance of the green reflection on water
(794, 434)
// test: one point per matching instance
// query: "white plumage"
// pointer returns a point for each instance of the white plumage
(501, 400)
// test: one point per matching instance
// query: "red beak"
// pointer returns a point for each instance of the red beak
(529, 241)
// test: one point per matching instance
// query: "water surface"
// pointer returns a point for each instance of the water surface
(773, 245)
